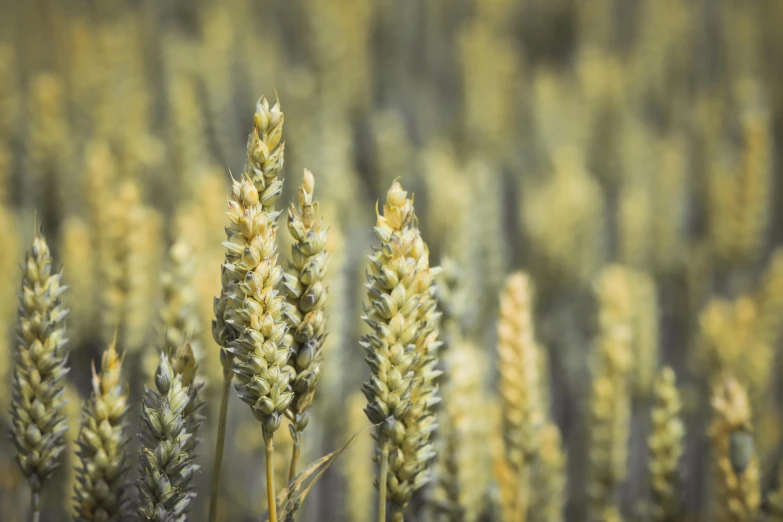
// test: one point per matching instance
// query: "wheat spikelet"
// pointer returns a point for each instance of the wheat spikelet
(666, 447)
(519, 381)
(736, 494)
(101, 488)
(167, 465)
(306, 297)
(548, 497)
(609, 400)
(76, 243)
(358, 463)
(38, 421)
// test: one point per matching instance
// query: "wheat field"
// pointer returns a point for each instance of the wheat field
(375, 260)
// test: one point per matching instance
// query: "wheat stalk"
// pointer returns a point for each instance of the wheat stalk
(38, 421)
(101, 489)
(304, 309)
(249, 322)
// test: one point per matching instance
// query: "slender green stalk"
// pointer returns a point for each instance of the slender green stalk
(35, 505)
(382, 481)
(270, 477)
(295, 451)
(220, 444)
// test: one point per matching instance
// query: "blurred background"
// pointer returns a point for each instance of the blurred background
(554, 136)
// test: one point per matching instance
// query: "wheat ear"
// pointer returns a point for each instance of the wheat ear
(609, 398)
(737, 496)
(101, 489)
(304, 309)
(167, 465)
(249, 322)
(412, 449)
(666, 446)
(393, 317)
(37, 417)
(519, 382)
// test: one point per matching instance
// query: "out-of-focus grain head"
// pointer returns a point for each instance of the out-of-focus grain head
(249, 322)
(101, 491)
(37, 406)
(305, 300)
(736, 496)
(666, 448)
(564, 218)
(167, 466)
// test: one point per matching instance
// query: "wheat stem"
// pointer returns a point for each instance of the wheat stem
(295, 451)
(220, 443)
(35, 505)
(270, 476)
(382, 480)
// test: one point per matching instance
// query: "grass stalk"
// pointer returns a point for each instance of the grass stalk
(35, 505)
(295, 451)
(220, 443)
(270, 476)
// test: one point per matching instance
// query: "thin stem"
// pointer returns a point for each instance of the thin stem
(295, 451)
(35, 505)
(270, 477)
(382, 480)
(221, 441)
(397, 516)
